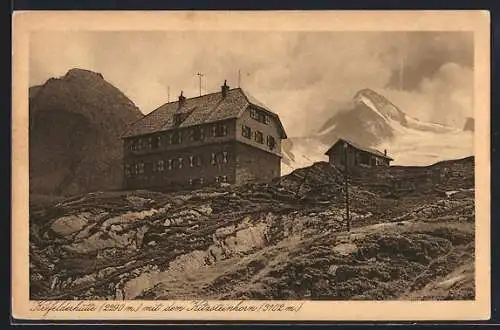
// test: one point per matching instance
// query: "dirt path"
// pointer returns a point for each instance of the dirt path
(195, 284)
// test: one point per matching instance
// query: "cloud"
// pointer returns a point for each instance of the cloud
(452, 88)
(303, 76)
(446, 97)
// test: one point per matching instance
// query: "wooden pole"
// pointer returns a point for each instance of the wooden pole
(346, 174)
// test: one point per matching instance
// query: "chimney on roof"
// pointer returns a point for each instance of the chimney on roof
(224, 88)
(385, 152)
(182, 100)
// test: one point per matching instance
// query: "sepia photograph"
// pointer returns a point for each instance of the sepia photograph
(212, 165)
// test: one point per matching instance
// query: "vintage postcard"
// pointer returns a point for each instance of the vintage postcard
(324, 165)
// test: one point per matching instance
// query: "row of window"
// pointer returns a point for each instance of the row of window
(197, 134)
(201, 181)
(173, 164)
(258, 136)
(194, 134)
(260, 116)
(364, 159)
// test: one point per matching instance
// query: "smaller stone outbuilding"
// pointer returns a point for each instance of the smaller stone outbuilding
(344, 151)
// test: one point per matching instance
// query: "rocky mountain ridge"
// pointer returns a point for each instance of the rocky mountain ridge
(75, 126)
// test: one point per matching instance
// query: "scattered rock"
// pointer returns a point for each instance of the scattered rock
(137, 201)
(116, 228)
(70, 224)
(345, 248)
(332, 270)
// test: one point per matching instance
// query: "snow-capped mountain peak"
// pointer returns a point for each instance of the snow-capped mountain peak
(392, 114)
(381, 105)
(374, 121)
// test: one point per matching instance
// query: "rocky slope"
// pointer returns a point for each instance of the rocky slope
(412, 237)
(75, 127)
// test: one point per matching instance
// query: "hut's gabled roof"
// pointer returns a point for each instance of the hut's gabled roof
(204, 109)
(359, 147)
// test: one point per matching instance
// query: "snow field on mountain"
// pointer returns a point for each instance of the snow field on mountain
(414, 142)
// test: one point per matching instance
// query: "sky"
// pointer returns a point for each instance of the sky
(305, 77)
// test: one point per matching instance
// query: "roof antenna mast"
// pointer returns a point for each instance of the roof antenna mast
(199, 79)
(239, 78)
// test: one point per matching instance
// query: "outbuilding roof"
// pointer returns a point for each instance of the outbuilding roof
(359, 147)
